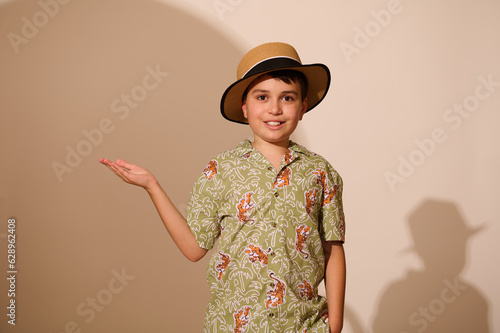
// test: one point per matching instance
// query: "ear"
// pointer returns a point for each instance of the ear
(304, 108)
(244, 109)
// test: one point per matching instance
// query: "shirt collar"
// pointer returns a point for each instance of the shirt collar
(245, 147)
(296, 148)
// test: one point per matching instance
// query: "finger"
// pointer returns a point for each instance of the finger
(120, 172)
(114, 169)
(119, 169)
(125, 164)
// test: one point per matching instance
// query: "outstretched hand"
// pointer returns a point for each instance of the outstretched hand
(130, 173)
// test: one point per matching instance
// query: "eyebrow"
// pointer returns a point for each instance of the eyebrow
(267, 91)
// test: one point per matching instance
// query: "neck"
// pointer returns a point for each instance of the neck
(271, 147)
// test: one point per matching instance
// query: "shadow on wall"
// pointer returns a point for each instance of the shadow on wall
(138, 80)
(436, 299)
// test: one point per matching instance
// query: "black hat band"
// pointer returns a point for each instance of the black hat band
(272, 64)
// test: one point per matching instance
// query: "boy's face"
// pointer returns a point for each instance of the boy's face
(273, 109)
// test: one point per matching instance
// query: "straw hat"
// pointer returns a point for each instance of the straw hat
(266, 58)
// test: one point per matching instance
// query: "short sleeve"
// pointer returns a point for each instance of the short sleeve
(332, 221)
(204, 202)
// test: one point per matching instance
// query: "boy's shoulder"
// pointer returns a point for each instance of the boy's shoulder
(316, 163)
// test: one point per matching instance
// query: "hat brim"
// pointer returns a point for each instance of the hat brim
(318, 77)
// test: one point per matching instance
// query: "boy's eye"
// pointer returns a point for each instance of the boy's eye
(261, 97)
(288, 98)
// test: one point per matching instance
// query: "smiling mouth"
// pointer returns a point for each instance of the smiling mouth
(274, 123)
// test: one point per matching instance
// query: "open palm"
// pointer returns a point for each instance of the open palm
(130, 173)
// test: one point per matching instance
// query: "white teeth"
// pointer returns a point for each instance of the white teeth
(273, 123)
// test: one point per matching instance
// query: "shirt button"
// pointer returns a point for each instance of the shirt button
(271, 315)
(274, 224)
(276, 194)
(270, 168)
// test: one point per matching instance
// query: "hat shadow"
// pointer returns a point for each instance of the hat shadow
(436, 298)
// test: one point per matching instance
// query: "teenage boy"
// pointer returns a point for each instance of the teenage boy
(275, 208)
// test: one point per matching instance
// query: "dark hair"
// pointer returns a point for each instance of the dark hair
(288, 76)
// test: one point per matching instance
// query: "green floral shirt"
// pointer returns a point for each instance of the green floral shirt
(270, 225)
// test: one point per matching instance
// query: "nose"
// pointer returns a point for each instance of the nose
(275, 107)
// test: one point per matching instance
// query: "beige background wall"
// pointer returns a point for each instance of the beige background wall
(410, 123)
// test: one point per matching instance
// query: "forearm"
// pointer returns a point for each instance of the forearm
(175, 223)
(335, 279)
(173, 220)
